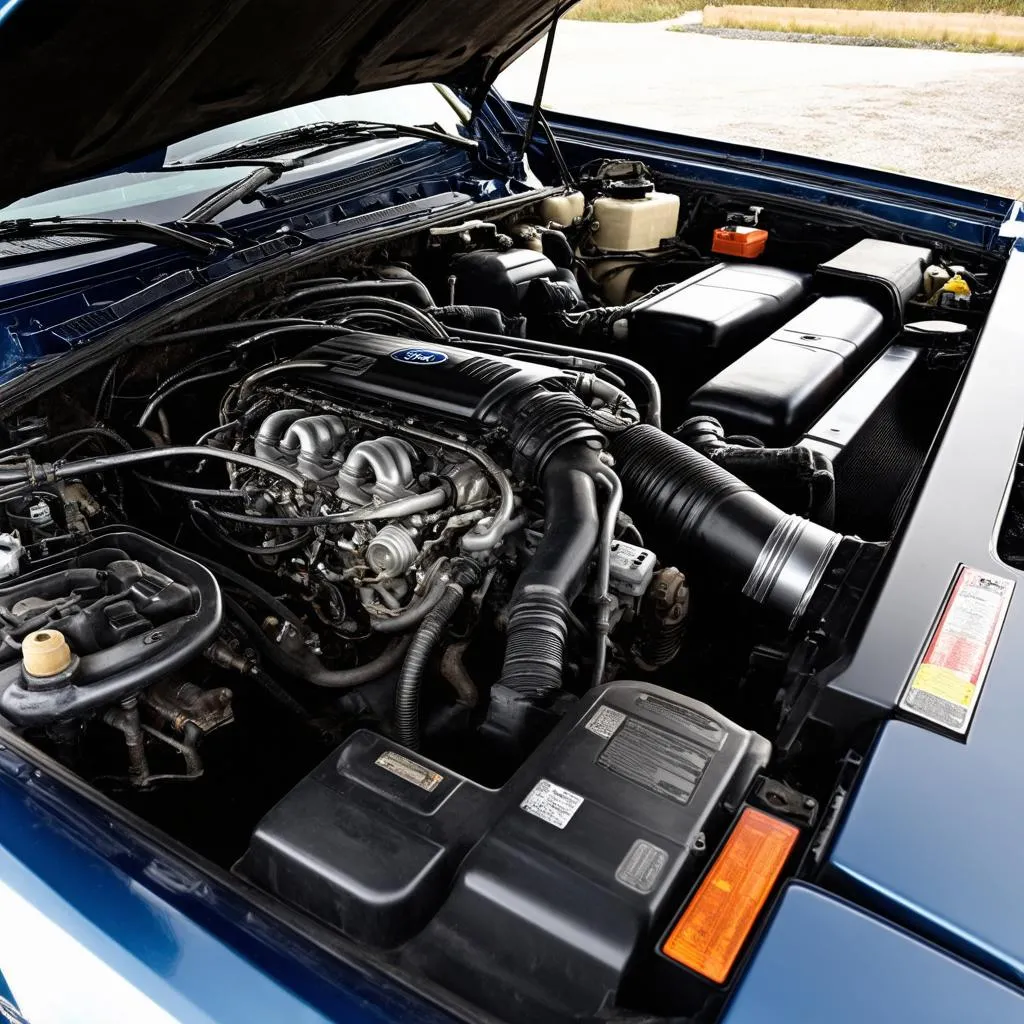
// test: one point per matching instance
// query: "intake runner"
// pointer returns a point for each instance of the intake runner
(686, 505)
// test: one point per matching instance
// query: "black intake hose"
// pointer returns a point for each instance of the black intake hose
(796, 479)
(538, 621)
(691, 509)
(554, 437)
(465, 574)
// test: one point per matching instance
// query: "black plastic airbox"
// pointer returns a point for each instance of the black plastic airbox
(370, 840)
(717, 308)
(777, 389)
(886, 274)
(551, 909)
(533, 900)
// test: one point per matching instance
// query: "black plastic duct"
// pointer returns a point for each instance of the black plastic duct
(556, 444)
(694, 510)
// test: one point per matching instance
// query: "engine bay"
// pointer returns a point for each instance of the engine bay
(470, 593)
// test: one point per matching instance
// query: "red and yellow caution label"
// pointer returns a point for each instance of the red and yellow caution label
(945, 685)
(716, 922)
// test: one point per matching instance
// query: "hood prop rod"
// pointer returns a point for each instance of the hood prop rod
(536, 114)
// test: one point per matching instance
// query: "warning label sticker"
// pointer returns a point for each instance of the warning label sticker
(656, 759)
(945, 685)
(642, 866)
(605, 720)
(552, 803)
(418, 774)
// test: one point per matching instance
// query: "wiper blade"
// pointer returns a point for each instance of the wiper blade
(182, 236)
(323, 136)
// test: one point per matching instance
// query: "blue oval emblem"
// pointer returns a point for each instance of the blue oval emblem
(419, 356)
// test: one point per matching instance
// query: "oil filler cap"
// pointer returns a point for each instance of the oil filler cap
(46, 659)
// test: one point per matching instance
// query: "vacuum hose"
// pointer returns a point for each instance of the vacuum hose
(685, 504)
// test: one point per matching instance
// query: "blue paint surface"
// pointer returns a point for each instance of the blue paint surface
(131, 928)
(823, 960)
(934, 836)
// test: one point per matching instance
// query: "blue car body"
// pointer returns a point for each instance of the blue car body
(914, 911)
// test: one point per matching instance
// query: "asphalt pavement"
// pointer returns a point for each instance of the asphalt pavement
(946, 116)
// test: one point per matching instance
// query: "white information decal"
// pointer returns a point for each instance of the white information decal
(552, 803)
(605, 720)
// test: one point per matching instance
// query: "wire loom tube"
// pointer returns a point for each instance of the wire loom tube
(465, 573)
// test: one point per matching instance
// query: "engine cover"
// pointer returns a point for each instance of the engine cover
(438, 380)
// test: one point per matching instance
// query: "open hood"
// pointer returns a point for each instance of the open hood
(88, 87)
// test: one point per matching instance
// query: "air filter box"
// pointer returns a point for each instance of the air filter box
(886, 274)
(777, 389)
(369, 842)
(534, 900)
(726, 307)
(591, 855)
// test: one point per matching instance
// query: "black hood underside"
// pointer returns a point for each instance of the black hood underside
(90, 86)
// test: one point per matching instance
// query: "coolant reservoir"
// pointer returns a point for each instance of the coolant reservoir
(630, 225)
(562, 210)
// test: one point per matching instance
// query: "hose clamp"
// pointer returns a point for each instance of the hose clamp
(790, 566)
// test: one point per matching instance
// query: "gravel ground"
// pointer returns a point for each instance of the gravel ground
(955, 117)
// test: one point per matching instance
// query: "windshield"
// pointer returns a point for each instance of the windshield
(165, 195)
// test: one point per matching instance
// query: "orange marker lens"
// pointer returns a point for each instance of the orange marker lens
(717, 921)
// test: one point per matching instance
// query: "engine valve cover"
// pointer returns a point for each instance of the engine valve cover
(433, 379)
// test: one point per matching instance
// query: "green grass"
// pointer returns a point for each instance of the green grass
(659, 10)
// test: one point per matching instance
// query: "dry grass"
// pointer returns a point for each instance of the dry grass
(633, 10)
(660, 10)
(960, 31)
(933, 6)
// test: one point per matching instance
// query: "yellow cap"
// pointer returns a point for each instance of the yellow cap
(45, 653)
(957, 285)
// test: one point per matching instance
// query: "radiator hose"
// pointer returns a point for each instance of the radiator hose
(691, 509)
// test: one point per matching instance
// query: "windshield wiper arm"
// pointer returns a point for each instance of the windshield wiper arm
(181, 236)
(235, 191)
(323, 136)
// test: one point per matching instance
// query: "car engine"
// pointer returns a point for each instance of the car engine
(463, 593)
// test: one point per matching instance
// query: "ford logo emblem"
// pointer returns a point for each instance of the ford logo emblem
(419, 356)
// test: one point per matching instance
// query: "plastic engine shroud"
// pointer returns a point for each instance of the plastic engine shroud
(131, 610)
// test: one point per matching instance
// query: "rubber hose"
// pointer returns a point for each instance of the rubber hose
(465, 573)
(435, 329)
(796, 479)
(409, 290)
(410, 617)
(180, 385)
(281, 610)
(538, 621)
(308, 668)
(692, 510)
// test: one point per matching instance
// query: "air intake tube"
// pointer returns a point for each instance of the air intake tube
(692, 509)
(558, 446)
